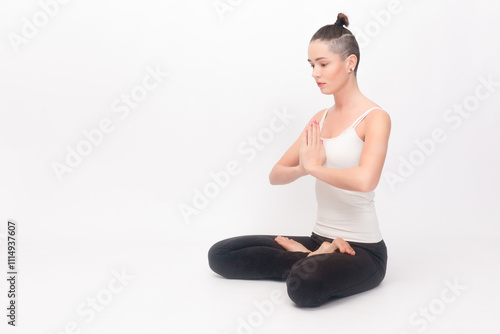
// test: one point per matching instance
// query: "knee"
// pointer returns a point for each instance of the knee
(305, 286)
(219, 259)
(214, 257)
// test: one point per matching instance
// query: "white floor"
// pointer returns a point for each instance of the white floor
(169, 288)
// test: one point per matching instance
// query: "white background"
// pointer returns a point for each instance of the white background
(118, 210)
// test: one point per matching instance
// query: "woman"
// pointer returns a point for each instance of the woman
(344, 148)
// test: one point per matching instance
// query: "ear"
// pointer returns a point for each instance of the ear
(351, 62)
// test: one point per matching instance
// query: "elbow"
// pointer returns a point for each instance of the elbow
(368, 183)
(276, 176)
(365, 188)
(272, 178)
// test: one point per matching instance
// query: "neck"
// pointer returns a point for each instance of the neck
(349, 96)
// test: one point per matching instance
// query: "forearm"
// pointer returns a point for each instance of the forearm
(354, 178)
(284, 174)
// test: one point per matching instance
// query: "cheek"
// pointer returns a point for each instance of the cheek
(332, 72)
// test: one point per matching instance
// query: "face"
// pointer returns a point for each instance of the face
(328, 70)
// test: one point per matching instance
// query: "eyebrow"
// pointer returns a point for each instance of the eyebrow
(317, 59)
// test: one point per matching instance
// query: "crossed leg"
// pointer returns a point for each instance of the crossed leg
(312, 279)
(338, 245)
(256, 256)
(316, 279)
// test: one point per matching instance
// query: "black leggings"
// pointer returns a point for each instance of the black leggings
(311, 281)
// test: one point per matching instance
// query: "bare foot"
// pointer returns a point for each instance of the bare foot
(325, 248)
(337, 246)
(291, 245)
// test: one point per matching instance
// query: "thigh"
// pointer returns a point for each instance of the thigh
(254, 257)
(247, 241)
(316, 279)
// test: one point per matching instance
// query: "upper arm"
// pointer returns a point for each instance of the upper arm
(291, 156)
(377, 131)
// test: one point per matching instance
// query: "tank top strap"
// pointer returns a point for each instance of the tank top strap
(323, 119)
(355, 124)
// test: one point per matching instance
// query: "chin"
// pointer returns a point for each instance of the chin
(327, 91)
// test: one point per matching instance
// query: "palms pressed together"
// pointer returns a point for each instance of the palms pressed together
(312, 153)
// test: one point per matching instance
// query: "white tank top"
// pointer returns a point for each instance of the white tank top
(345, 214)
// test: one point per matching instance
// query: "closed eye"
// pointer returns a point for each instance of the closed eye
(322, 65)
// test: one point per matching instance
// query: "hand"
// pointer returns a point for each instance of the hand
(312, 152)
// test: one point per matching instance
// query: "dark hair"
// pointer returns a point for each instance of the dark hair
(341, 40)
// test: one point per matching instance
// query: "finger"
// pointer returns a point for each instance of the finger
(318, 134)
(320, 141)
(304, 137)
(315, 133)
(309, 134)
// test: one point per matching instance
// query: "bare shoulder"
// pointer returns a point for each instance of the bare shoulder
(319, 115)
(378, 117)
(378, 125)
(316, 117)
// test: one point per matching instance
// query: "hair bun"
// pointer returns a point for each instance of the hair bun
(342, 20)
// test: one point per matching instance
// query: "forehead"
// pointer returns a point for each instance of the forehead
(319, 50)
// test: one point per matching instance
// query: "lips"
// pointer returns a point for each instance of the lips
(320, 84)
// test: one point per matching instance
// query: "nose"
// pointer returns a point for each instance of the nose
(315, 72)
